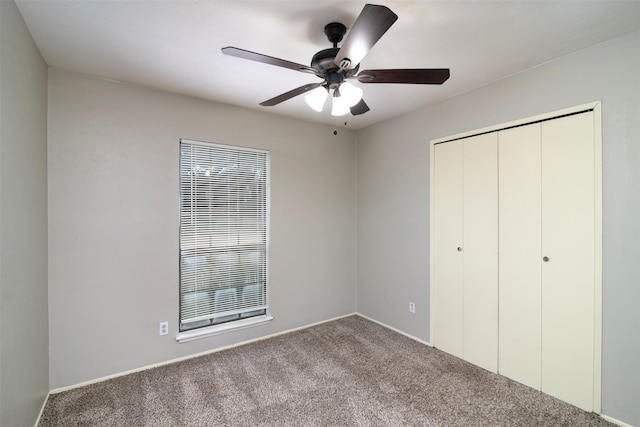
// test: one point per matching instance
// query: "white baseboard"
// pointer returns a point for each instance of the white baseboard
(46, 399)
(191, 356)
(395, 330)
(615, 421)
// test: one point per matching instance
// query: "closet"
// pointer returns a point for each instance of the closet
(516, 251)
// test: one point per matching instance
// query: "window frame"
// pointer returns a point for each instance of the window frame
(240, 323)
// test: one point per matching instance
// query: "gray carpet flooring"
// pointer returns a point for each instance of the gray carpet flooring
(348, 372)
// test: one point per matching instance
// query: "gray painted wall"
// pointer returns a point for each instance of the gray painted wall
(24, 335)
(113, 221)
(112, 227)
(393, 195)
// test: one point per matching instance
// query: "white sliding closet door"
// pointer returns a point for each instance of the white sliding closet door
(447, 237)
(480, 251)
(520, 252)
(466, 249)
(568, 242)
(547, 257)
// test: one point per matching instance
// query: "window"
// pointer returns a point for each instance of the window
(223, 236)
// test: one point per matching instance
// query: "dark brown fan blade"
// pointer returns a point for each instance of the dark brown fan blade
(258, 57)
(288, 95)
(423, 76)
(360, 108)
(372, 23)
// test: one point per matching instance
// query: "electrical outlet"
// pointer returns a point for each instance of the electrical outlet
(164, 328)
(412, 307)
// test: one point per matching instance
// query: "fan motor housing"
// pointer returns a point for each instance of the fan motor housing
(323, 60)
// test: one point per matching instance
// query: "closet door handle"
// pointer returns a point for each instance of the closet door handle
(459, 248)
(545, 258)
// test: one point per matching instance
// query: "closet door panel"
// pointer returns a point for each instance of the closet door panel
(480, 251)
(448, 236)
(520, 251)
(568, 240)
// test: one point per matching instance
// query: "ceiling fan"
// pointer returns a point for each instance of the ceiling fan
(336, 65)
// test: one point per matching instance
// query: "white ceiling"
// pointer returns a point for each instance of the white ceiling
(175, 45)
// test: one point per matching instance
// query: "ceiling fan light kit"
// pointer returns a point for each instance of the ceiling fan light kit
(316, 98)
(344, 97)
(335, 65)
(349, 93)
(338, 107)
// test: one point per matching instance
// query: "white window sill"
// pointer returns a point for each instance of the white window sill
(223, 328)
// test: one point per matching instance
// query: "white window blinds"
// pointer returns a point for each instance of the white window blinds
(223, 233)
